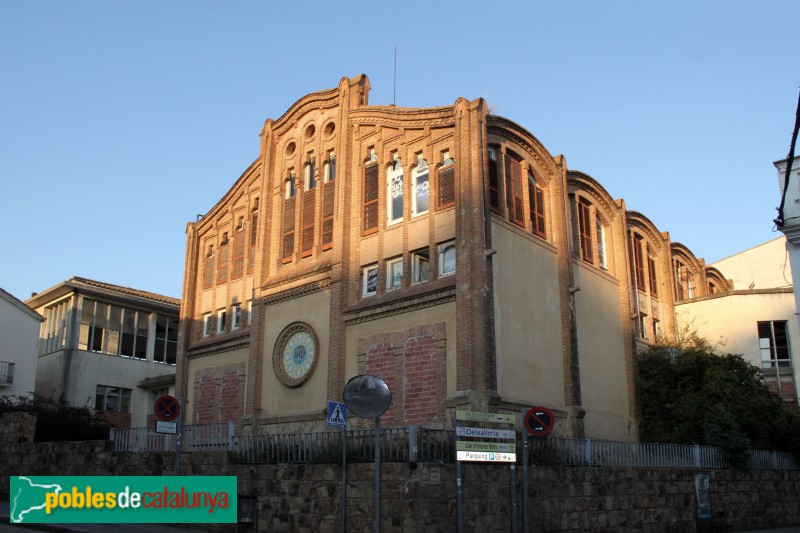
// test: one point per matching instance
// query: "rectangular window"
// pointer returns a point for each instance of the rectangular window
(420, 261)
(221, 316)
(514, 188)
(394, 185)
(311, 173)
(446, 183)
(290, 185)
(239, 238)
(166, 341)
(655, 329)
(208, 279)
(236, 316)
(370, 280)
(585, 228)
(112, 399)
(222, 260)
(776, 359)
(394, 273)
(536, 206)
(206, 324)
(447, 258)
(601, 243)
(494, 182)
(251, 259)
(288, 230)
(421, 187)
(370, 203)
(128, 333)
(142, 334)
(643, 325)
(638, 261)
(651, 272)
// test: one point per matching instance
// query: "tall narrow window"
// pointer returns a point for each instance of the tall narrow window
(585, 229)
(776, 359)
(651, 272)
(287, 251)
(208, 279)
(536, 205)
(420, 261)
(328, 197)
(601, 242)
(166, 341)
(494, 181)
(206, 324)
(236, 316)
(394, 197)
(421, 187)
(446, 182)
(221, 318)
(447, 258)
(514, 188)
(394, 273)
(251, 259)
(239, 238)
(370, 204)
(370, 280)
(683, 281)
(309, 202)
(222, 259)
(638, 262)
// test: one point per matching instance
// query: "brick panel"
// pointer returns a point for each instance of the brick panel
(219, 393)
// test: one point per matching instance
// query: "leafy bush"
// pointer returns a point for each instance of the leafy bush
(694, 396)
(57, 420)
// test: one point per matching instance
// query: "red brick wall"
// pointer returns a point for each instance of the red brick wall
(412, 362)
(219, 394)
(118, 420)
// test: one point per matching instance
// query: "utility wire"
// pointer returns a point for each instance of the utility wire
(789, 159)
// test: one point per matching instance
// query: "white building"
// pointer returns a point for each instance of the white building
(107, 347)
(756, 318)
(19, 338)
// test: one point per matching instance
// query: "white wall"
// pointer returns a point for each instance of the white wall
(19, 341)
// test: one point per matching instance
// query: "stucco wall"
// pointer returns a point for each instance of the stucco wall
(19, 332)
(276, 398)
(762, 267)
(602, 357)
(527, 320)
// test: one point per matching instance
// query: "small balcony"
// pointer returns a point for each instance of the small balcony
(6, 373)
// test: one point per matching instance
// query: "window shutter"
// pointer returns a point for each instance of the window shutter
(251, 260)
(329, 193)
(494, 185)
(446, 193)
(514, 190)
(208, 281)
(288, 229)
(370, 214)
(307, 239)
(238, 254)
(222, 265)
(584, 220)
(536, 200)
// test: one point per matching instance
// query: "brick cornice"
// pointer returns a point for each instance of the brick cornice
(220, 347)
(365, 314)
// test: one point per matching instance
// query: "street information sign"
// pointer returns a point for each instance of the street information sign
(478, 446)
(496, 418)
(487, 457)
(170, 428)
(486, 433)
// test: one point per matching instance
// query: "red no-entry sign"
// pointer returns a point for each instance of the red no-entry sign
(539, 421)
(167, 408)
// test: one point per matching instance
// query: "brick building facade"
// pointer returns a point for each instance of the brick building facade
(443, 249)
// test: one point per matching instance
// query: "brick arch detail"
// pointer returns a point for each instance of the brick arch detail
(413, 363)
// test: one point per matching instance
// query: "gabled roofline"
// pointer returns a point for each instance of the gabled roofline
(16, 302)
(85, 285)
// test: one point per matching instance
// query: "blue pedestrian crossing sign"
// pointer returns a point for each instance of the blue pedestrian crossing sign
(337, 415)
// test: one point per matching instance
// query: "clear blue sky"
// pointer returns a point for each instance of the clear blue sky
(120, 121)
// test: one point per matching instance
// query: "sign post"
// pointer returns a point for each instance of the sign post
(539, 422)
(337, 418)
(168, 409)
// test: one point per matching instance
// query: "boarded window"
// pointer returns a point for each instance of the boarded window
(446, 187)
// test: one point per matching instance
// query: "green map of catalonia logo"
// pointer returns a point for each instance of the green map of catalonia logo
(29, 497)
(122, 499)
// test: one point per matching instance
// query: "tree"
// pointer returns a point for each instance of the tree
(693, 396)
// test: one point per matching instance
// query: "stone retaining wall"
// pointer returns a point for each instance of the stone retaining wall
(306, 498)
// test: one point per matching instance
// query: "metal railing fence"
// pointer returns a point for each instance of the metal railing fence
(421, 445)
(195, 437)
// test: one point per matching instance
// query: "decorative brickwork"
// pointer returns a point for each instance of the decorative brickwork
(412, 362)
(219, 393)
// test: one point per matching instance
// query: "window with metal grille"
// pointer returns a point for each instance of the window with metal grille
(370, 204)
